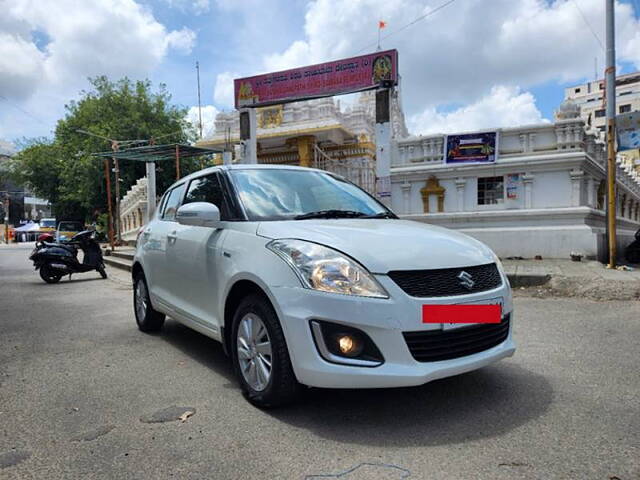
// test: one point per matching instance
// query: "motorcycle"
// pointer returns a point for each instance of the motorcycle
(632, 253)
(55, 260)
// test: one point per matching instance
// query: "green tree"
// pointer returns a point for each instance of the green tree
(63, 169)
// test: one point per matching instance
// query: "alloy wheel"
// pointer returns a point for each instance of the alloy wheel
(141, 300)
(254, 351)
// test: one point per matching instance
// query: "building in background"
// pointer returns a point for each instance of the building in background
(525, 191)
(23, 205)
(590, 98)
(315, 133)
(542, 192)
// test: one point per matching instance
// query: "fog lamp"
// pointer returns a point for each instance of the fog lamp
(349, 345)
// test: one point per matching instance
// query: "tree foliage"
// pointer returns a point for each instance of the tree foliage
(63, 170)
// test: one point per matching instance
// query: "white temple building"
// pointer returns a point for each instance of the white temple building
(543, 194)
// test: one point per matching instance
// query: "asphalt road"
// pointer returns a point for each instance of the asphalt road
(79, 385)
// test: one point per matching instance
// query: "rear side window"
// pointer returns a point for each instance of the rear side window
(208, 189)
(172, 203)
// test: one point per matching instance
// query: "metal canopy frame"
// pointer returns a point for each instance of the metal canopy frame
(149, 154)
(155, 153)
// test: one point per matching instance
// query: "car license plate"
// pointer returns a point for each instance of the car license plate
(464, 313)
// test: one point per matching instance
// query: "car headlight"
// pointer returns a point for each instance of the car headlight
(325, 269)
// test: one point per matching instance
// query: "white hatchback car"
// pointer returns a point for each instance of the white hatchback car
(308, 280)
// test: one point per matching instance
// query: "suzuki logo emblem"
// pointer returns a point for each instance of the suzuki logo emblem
(466, 280)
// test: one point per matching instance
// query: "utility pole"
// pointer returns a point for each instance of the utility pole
(610, 93)
(107, 175)
(116, 169)
(177, 162)
(6, 218)
(199, 106)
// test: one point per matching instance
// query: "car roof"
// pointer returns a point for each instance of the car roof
(244, 166)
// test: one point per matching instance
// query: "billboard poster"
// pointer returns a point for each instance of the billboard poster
(513, 184)
(628, 127)
(332, 78)
(472, 148)
(383, 187)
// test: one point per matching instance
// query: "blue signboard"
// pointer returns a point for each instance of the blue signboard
(628, 126)
(472, 148)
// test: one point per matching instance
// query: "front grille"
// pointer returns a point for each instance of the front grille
(437, 345)
(444, 282)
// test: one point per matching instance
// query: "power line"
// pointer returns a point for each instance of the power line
(588, 24)
(23, 110)
(413, 22)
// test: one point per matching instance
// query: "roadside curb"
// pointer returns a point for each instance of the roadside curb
(116, 262)
(528, 279)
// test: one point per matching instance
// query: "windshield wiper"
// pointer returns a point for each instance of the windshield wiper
(330, 214)
(380, 215)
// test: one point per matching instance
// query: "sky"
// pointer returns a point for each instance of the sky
(465, 64)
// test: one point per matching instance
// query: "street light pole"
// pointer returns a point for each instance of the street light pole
(610, 93)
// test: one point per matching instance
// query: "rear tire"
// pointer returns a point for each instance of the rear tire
(49, 275)
(260, 356)
(147, 318)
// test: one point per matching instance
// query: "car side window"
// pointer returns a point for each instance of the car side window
(172, 203)
(163, 202)
(208, 189)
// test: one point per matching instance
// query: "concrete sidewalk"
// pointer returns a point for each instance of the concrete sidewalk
(588, 279)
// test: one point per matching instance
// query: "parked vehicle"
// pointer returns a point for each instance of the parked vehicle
(48, 225)
(308, 280)
(632, 252)
(66, 230)
(55, 260)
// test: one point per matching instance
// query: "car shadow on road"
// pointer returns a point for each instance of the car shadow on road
(66, 281)
(201, 348)
(476, 405)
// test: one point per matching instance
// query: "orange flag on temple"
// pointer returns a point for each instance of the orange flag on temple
(382, 24)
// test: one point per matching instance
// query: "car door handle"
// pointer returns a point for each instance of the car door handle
(171, 237)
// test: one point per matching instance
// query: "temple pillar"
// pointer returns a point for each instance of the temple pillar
(305, 150)
(406, 197)
(591, 191)
(576, 184)
(460, 184)
(527, 180)
(432, 188)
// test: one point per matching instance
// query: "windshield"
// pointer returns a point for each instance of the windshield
(69, 227)
(284, 194)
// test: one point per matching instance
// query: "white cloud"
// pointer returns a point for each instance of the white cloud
(502, 107)
(209, 113)
(462, 51)
(182, 40)
(223, 90)
(48, 49)
(7, 148)
(111, 37)
(195, 6)
(21, 64)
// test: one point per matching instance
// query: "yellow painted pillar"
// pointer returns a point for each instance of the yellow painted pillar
(305, 146)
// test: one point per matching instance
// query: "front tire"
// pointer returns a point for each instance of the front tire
(260, 356)
(147, 318)
(49, 274)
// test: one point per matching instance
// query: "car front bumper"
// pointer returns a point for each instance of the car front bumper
(384, 321)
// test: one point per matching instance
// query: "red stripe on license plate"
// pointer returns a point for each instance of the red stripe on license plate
(461, 314)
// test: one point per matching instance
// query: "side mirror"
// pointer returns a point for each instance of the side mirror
(199, 214)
